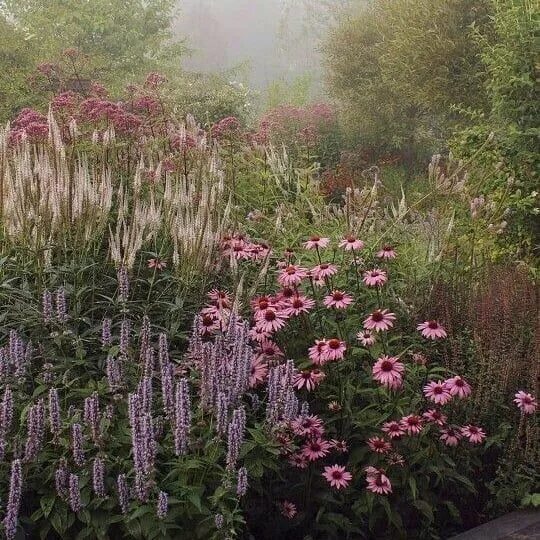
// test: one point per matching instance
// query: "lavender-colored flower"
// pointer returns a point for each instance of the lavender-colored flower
(6, 410)
(149, 362)
(61, 306)
(162, 505)
(61, 479)
(221, 413)
(123, 283)
(54, 413)
(46, 306)
(98, 477)
(16, 352)
(114, 376)
(182, 417)
(280, 404)
(106, 334)
(144, 340)
(123, 493)
(47, 373)
(242, 482)
(167, 390)
(219, 520)
(235, 436)
(125, 331)
(77, 444)
(92, 416)
(14, 500)
(145, 394)
(35, 431)
(74, 493)
(4, 363)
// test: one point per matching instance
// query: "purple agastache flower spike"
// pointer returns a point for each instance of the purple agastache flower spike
(35, 431)
(14, 500)
(77, 444)
(123, 283)
(182, 417)
(98, 477)
(74, 493)
(242, 482)
(46, 306)
(54, 413)
(61, 306)
(123, 493)
(106, 335)
(162, 505)
(61, 479)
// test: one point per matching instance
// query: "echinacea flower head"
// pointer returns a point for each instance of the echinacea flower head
(378, 482)
(209, 323)
(298, 460)
(375, 278)
(268, 350)
(412, 424)
(450, 436)
(526, 403)
(434, 416)
(388, 371)
(475, 434)
(307, 425)
(259, 371)
(340, 446)
(157, 264)
(393, 429)
(379, 445)
(457, 386)
(323, 271)
(297, 305)
(366, 338)
(270, 320)
(432, 330)
(316, 242)
(334, 406)
(287, 509)
(337, 476)
(437, 392)
(308, 379)
(317, 352)
(292, 275)
(335, 350)
(351, 243)
(338, 300)
(259, 335)
(380, 320)
(387, 252)
(316, 448)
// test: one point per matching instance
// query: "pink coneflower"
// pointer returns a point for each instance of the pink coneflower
(526, 403)
(435, 416)
(337, 476)
(268, 350)
(340, 446)
(387, 252)
(316, 242)
(307, 425)
(366, 338)
(393, 429)
(350, 243)
(221, 299)
(388, 371)
(419, 359)
(379, 445)
(239, 250)
(323, 271)
(375, 278)
(317, 352)
(298, 460)
(270, 320)
(338, 300)
(298, 305)
(258, 334)
(380, 320)
(209, 324)
(259, 371)
(432, 330)
(377, 482)
(475, 434)
(157, 264)
(316, 449)
(308, 379)
(457, 386)
(395, 459)
(292, 275)
(412, 424)
(437, 392)
(450, 436)
(260, 303)
(287, 509)
(334, 350)
(334, 406)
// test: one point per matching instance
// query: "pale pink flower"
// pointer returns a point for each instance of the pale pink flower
(261, 303)
(307, 425)
(239, 250)
(340, 446)
(268, 350)
(366, 338)
(316, 449)
(435, 416)
(338, 300)
(387, 252)
(334, 350)
(259, 372)
(221, 299)
(323, 271)
(308, 379)
(316, 242)
(292, 275)
(350, 243)
(375, 278)
(412, 424)
(378, 483)
(380, 320)
(298, 460)
(337, 476)
(209, 323)
(437, 392)
(287, 509)
(258, 334)
(270, 320)
(432, 330)
(457, 386)
(475, 434)
(317, 352)
(388, 371)
(298, 305)
(450, 436)
(334, 406)
(393, 429)
(158, 264)
(526, 403)
(379, 445)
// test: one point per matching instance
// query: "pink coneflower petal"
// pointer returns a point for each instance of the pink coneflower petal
(526, 403)
(307, 425)
(338, 300)
(350, 243)
(157, 264)
(380, 320)
(337, 476)
(412, 424)
(259, 372)
(298, 305)
(308, 379)
(292, 275)
(434, 416)
(366, 338)
(323, 271)
(316, 242)
(379, 445)
(457, 386)
(287, 509)
(377, 481)
(475, 434)
(334, 350)
(317, 352)
(438, 392)
(270, 320)
(450, 436)
(387, 252)
(393, 429)
(316, 449)
(375, 278)
(432, 330)
(388, 371)
(298, 460)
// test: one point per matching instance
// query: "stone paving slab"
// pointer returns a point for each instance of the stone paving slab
(520, 525)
